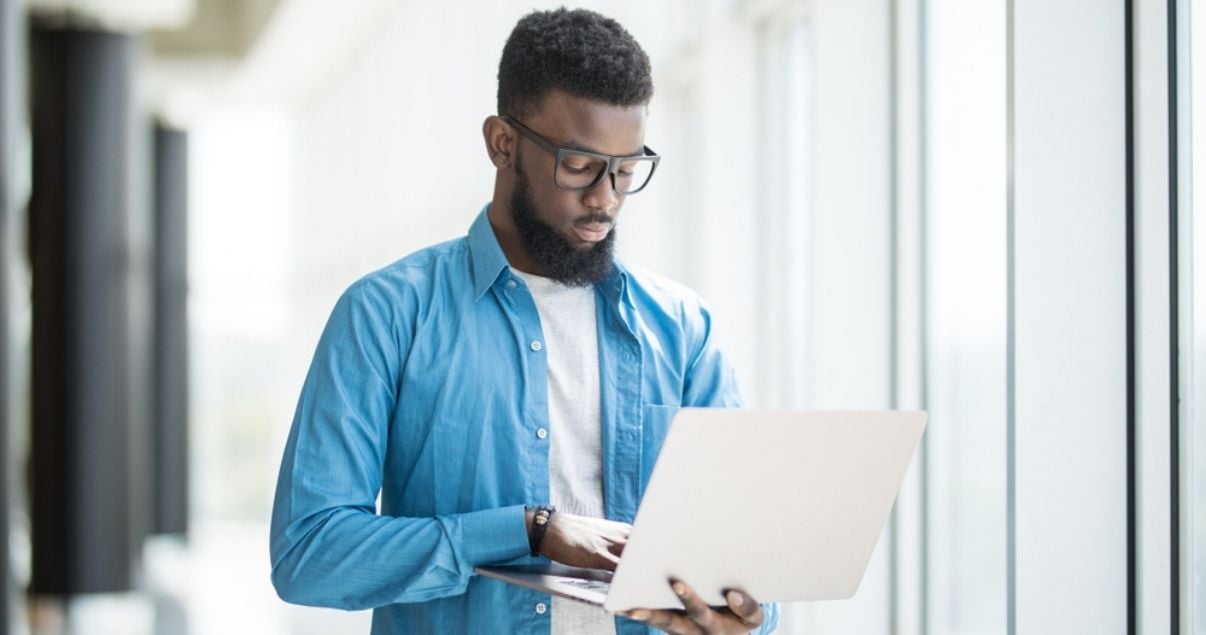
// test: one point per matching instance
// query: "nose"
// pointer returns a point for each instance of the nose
(602, 196)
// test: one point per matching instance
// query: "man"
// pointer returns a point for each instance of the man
(506, 394)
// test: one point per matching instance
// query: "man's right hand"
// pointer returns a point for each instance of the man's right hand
(579, 541)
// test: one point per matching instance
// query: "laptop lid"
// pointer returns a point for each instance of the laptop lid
(786, 505)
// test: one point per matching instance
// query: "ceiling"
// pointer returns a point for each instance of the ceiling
(201, 52)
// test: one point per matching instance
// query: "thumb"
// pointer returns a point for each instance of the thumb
(744, 607)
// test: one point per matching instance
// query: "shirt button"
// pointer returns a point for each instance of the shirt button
(536, 345)
(542, 433)
(511, 284)
(541, 608)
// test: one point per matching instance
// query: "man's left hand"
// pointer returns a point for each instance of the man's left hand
(741, 615)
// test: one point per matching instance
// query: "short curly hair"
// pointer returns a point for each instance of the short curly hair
(581, 52)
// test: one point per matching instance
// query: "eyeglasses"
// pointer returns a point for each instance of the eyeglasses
(579, 170)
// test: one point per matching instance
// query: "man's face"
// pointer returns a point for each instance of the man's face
(571, 235)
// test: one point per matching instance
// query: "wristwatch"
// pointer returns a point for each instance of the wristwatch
(540, 523)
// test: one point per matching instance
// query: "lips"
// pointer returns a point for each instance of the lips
(592, 232)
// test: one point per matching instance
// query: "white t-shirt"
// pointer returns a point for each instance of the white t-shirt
(571, 342)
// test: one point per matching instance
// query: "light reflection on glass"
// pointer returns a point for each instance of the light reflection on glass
(966, 274)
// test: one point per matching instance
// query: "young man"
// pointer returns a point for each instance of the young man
(505, 393)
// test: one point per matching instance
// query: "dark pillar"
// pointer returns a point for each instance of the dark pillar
(11, 64)
(170, 374)
(81, 508)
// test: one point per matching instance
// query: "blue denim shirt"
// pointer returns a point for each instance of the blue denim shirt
(428, 388)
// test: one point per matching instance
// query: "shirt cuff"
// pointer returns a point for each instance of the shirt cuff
(494, 535)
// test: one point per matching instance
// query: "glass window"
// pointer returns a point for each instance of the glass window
(1192, 438)
(966, 277)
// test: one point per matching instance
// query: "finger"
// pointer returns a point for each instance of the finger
(669, 621)
(615, 536)
(620, 525)
(697, 609)
(617, 533)
(607, 560)
(744, 607)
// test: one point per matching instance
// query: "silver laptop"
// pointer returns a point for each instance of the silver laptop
(784, 505)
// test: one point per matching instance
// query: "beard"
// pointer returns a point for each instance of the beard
(556, 256)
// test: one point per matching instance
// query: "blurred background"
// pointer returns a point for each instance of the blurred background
(981, 208)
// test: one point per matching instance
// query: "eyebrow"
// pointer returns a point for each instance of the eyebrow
(574, 145)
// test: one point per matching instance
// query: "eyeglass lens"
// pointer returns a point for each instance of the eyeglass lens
(580, 171)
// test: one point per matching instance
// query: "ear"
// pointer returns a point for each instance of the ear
(500, 141)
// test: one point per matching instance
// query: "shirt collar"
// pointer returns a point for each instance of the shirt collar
(615, 286)
(485, 254)
(490, 263)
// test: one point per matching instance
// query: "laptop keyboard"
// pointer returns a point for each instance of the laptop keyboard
(589, 585)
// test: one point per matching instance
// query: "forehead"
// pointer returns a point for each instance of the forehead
(574, 121)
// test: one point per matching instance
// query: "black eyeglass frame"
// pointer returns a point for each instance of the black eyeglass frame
(612, 163)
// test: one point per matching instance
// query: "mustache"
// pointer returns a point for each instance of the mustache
(596, 217)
